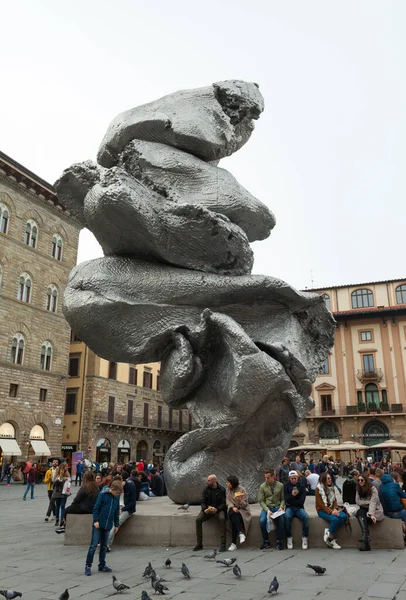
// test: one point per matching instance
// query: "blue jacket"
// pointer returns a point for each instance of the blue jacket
(390, 493)
(106, 510)
(130, 496)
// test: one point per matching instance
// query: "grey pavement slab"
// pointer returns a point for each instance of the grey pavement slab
(34, 560)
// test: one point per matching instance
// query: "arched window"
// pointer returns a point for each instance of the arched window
(17, 349)
(372, 396)
(52, 298)
(401, 294)
(31, 234)
(7, 430)
(375, 432)
(362, 298)
(4, 218)
(328, 431)
(37, 433)
(46, 356)
(24, 288)
(326, 299)
(56, 248)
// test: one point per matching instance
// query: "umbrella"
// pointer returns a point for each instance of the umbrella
(307, 448)
(351, 446)
(392, 444)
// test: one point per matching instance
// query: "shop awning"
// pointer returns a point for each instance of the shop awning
(10, 447)
(40, 448)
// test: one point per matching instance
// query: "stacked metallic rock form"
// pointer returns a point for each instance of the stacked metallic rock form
(238, 350)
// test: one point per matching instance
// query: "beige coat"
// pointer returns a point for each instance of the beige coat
(375, 506)
(241, 503)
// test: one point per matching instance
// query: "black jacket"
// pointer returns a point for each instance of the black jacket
(130, 496)
(349, 491)
(298, 500)
(85, 501)
(215, 497)
(137, 482)
(157, 485)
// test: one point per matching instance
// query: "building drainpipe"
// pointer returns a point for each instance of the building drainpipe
(82, 408)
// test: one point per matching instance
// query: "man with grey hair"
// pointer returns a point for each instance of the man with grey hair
(213, 504)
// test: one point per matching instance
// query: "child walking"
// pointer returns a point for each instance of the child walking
(105, 515)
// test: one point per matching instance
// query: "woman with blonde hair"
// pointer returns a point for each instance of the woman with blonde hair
(238, 511)
(61, 492)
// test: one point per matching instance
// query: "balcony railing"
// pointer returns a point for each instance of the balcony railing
(354, 409)
(365, 376)
(138, 422)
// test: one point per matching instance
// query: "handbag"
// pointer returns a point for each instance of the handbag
(66, 488)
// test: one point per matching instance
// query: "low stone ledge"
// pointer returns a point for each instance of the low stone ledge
(160, 528)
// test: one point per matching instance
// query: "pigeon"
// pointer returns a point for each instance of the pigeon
(185, 571)
(148, 570)
(118, 586)
(317, 570)
(227, 561)
(168, 563)
(211, 554)
(184, 507)
(64, 595)
(237, 571)
(155, 577)
(159, 587)
(10, 594)
(144, 596)
(273, 588)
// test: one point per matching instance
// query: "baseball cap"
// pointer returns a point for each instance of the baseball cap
(292, 474)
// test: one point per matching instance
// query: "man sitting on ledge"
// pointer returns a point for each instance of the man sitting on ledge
(213, 505)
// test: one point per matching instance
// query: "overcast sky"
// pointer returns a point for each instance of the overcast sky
(327, 155)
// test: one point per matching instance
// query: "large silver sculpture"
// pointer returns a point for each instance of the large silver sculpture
(240, 351)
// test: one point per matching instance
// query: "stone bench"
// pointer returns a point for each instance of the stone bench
(159, 523)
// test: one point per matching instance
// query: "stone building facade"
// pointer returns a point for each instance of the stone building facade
(360, 395)
(38, 248)
(114, 411)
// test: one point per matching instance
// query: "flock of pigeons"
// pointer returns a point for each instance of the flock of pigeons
(158, 582)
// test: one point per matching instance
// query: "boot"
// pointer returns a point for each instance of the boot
(366, 540)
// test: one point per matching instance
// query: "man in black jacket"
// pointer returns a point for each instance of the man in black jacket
(213, 505)
(156, 483)
(295, 496)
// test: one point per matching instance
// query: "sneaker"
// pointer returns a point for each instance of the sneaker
(242, 538)
(60, 530)
(264, 546)
(46, 519)
(290, 543)
(232, 548)
(305, 544)
(198, 547)
(105, 569)
(24, 498)
(334, 545)
(108, 549)
(88, 570)
(279, 545)
(326, 535)
(222, 548)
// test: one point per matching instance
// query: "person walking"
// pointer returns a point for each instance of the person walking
(30, 482)
(61, 492)
(49, 480)
(238, 511)
(105, 515)
(79, 473)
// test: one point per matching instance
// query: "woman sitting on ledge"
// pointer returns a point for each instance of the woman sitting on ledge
(85, 499)
(327, 509)
(238, 511)
(370, 510)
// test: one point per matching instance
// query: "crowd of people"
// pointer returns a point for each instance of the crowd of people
(369, 493)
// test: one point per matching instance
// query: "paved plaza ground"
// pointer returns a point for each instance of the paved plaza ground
(34, 560)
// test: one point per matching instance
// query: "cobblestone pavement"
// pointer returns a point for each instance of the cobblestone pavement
(34, 560)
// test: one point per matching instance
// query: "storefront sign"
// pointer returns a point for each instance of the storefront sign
(329, 442)
(71, 447)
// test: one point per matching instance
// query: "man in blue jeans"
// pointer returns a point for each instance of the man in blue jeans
(270, 497)
(295, 496)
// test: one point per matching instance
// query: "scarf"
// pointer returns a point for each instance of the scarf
(328, 498)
